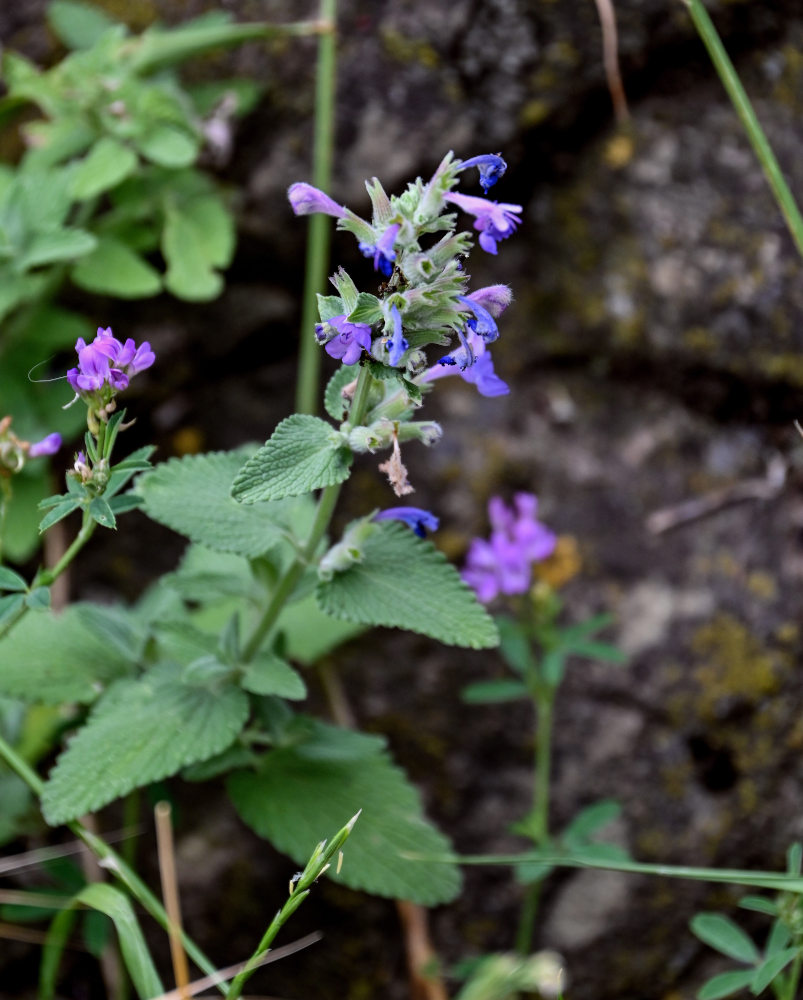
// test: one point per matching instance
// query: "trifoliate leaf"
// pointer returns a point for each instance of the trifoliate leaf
(403, 581)
(270, 674)
(336, 405)
(114, 269)
(141, 731)
(192, 495)
(56, 658)
(303, 454)
(107, 164)
(722, 934)
(294, 798)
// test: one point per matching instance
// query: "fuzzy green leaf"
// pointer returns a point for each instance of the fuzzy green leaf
(56, 658)
(114, 269)
(294, 796)
(78, 25)
(269, 674)
(721, 933)
(107, 164)
(192, 495)
(60, 244)
(368, 310)
(190, 274)
(403, 581)
(336, 406)
(140, 731)
(168, 145)
(303, 454)
(726, 984)
(309, 634)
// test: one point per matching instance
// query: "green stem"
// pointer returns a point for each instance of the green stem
(750, 123)
(544, 705)
(323, 515)
(236, 988)
(5, 500)
(46, 577)
(794, 977)
(109, 859)
(319, 232)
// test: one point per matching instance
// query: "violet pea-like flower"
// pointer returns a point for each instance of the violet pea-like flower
(421, 521)
(351, 340)
(47, 446)
(306, 200)
(494, 221)
(107, 362)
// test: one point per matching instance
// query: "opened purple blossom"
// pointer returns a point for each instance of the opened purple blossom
(480, 373)
(503, 563)
(494, 298)
(491, 167)
(494, 221)
(107, 362)
(383, 252)
(421, 521)
(397, 343)
(482, 322)
(47, 446)
(306, 200)
(351, 340)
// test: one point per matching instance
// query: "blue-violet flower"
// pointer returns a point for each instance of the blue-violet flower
(482, 323)
(47, 446)
(383, 252)
(491, 167)
(352, 339)
(306, 200)
(493, 220)
(421, 521)
(397, 343)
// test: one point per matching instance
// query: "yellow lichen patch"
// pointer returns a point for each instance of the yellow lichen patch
(735, 665)
(563, 565)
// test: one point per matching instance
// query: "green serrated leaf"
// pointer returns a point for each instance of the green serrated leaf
(309, 634)
(333, 400)
(107, 164)
(770, 969)
(726, 984)
(78, 25)
(192, 495)
(492, 692)
(292, 798)
(330, 306)
(722, 934)
(57, 513)
(303, 454)
(114, 269)
(58, 245)
(57, 658)
(9, 580)
(140, 731)
(100, 511)
(270, 674)
(403, 581)
(368, 310)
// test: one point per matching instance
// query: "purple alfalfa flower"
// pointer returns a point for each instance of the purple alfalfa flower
(306, 200)
(503, 563)
(421, 521)
(396, 343)
(382, 251)
(107, 362)
(351, 340)
(493, 220)
(491, 167)
(47, 446)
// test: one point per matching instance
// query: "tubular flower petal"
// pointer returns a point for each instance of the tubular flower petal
(503, 564)
(351, 340)
(397, 343)
(421, 521)
(47, 446)
(491, 167)
(493, 220)
(383, 252)
(483, 322)
(494, 298)
(306, 200)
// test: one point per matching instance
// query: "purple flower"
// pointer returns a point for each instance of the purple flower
(491, 167)
(383, 252)
(107, 362)
(351, 340)
(503, 563)
(421, 521)
(306, 200)
(397, 343)
(494, 298)
(47, 446)
(494, 220)
(482, 374)
(482, 322)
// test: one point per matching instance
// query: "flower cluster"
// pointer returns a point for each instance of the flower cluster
(105, 367)
(425, 299)
(503, 563)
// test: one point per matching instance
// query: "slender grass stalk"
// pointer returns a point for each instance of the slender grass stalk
(319, 233)
(741, 102)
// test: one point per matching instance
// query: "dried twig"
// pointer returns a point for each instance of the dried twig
(167, 874)
(610, 58)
